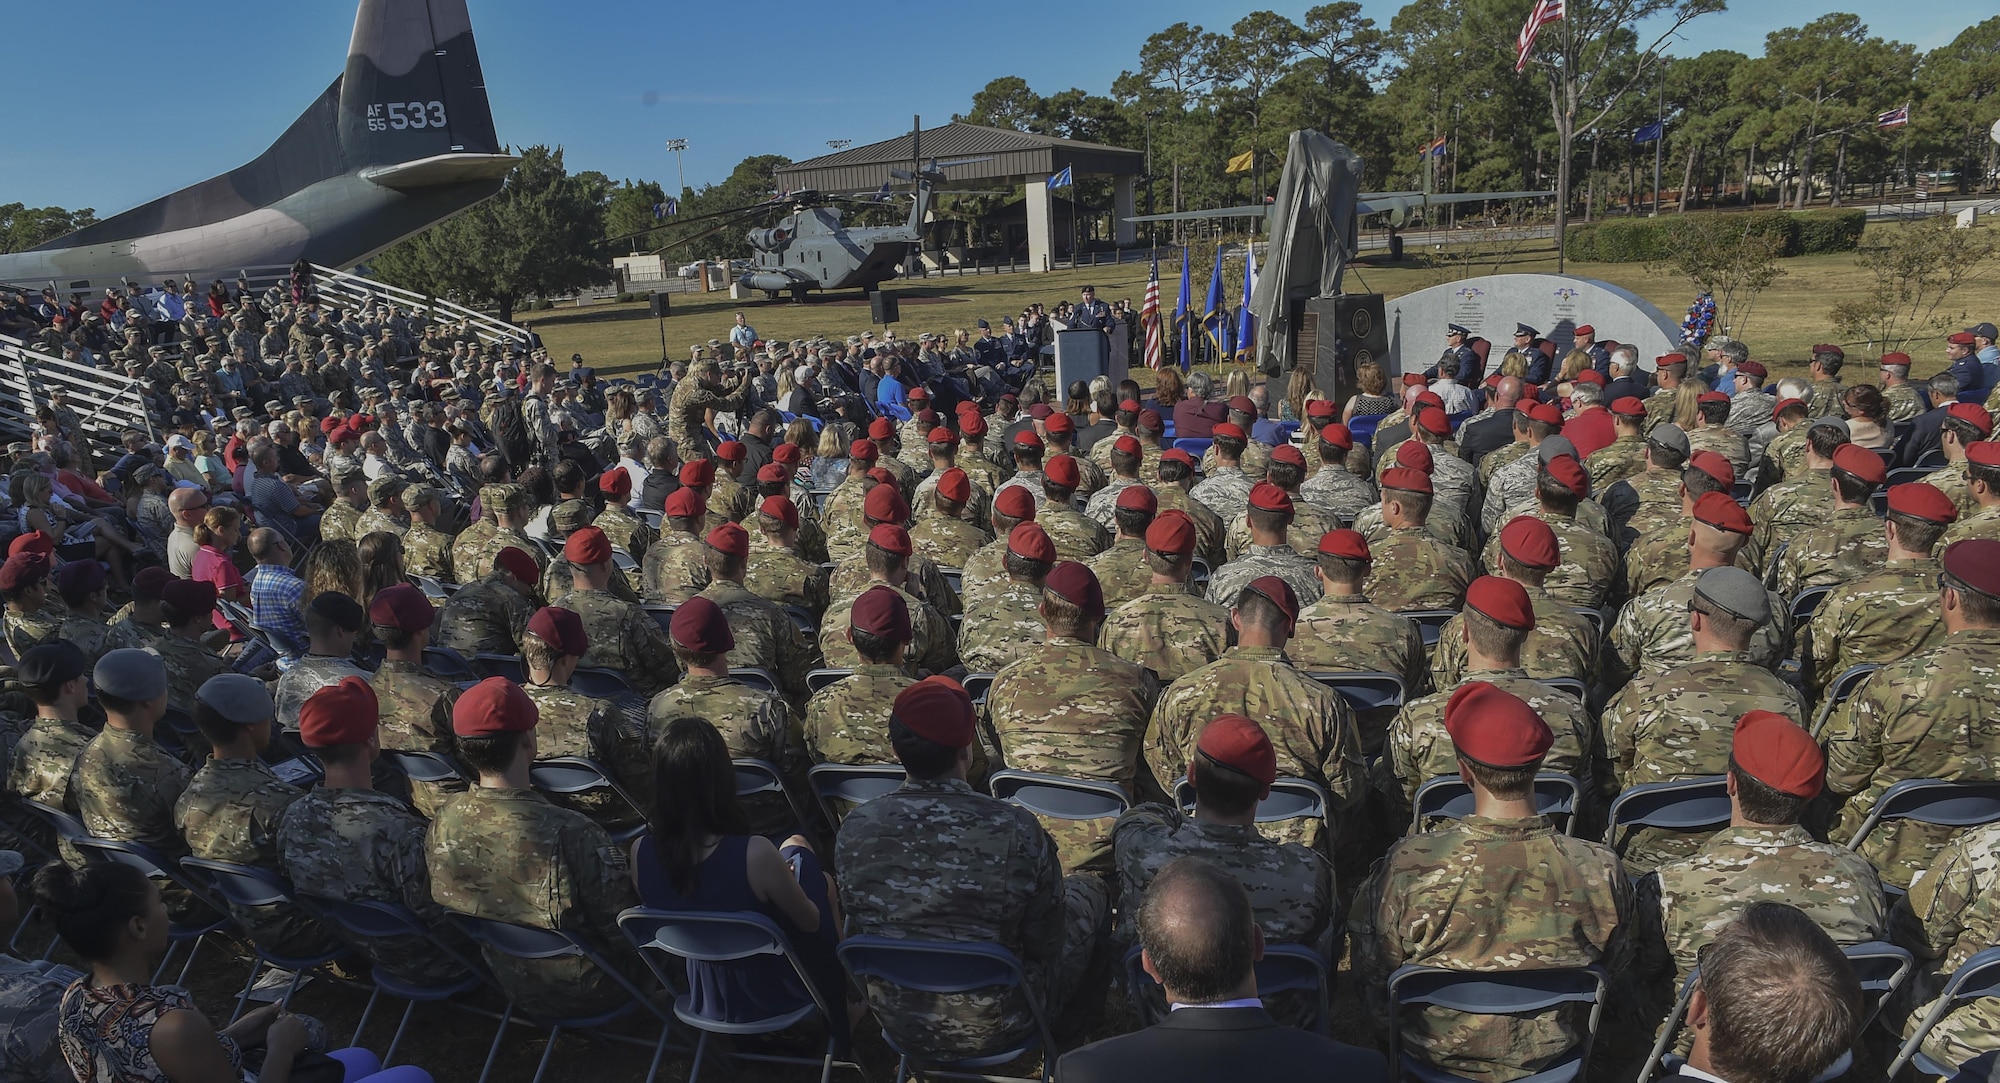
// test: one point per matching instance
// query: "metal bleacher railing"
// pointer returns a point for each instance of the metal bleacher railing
(108, 403)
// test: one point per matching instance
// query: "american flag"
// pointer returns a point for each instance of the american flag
(1894, 118)
(1149, 317)
(1546, 11)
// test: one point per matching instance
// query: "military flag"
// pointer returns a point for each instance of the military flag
(1215, 318)
(1182, 316)
(1246, 325)
(1149, 316)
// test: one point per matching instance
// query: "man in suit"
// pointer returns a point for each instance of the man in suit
(1201, 944)
(1495, 430)
(1776, 1000)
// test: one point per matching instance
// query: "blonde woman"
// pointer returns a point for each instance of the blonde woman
(1237, 384)
(1299, 390)
(1687, 403)
(1373, 399)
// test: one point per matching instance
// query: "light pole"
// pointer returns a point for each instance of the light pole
(679, 147)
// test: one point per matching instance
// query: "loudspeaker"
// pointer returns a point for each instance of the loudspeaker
(659, 305)
(882, 307)
(1339, 333)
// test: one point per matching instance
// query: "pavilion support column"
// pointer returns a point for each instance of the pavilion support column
(1123, 207)
(1041, 224)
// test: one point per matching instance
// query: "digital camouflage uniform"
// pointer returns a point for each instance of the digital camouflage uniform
(1588, 573)
(1418, 749)
(687, 412)
(1480, 894)
(486, 617)
(626, 530)
(1122, 571)
(756, 725)
(1338, 493)
(851, 578)
(947, 541)
(674, 569)
(1259, 561)
(1652, 633)
(935, 860)
(1076, 710)
(1310, 727)
(1951, 914)
(1103, 506)
(1799, 503)
(1934, 715)
(1225, 490)
(1309, 525)
(625, 638)
(1004, 627)
(427, 551)
(1209, 534)
(339, 522)
(1563, 643)
(1843, 545)
(1412, 570)
(573, 724)
(1661, 556)
(1886, 616)
(1168, 630)
(231, 811)
(30, 1008)
(1350, 634)
(781, 576)
(297, 684)
(1255, 461)
(416, 717)
(511, 855)
(1614, 462)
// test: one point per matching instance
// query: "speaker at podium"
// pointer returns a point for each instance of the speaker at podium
(1083, 354)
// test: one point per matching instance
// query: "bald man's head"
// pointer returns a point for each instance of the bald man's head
(1507, 392)
(1200, 937)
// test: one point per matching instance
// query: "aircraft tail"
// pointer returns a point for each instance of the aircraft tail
(413, 88)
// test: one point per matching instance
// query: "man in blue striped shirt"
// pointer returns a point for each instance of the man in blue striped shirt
(277, 595)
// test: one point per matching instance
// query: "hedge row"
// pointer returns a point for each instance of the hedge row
(1640, 240)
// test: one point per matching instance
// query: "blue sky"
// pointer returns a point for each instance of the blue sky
(167, 96)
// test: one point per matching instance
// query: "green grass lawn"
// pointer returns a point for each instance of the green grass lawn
(1787, 318)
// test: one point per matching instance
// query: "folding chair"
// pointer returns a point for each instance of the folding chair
(652, 517)
(943, 967)
(1284, 968)
(803, 620)
(1840, 691)
(954, 578)
(1196, 446)
(1364, 691)
(509, 666)
(760, 679)
(761, 776)
(1977, 977)
(718, 939)
(823, 678)
(1200, 572)
(248, 886)
(524, 942)
(1806, 602)
(977, 685)
(447, 664)
(1595, 617)
(1683, 804)
(147, 860)
(1496, 993)
(625, 561)
(853, 783)
(571, 776)
(1363, 428)
(370, 920)
(1289, 799)
(1430, 622)
(662, 614)
(1569, 686)
(1903, 475)
(1933, 801)
(1742, 491)
(1880, 967)
(425, 766)
(1057, 797)
(1448, 797)
(432, 587)
(600, 683)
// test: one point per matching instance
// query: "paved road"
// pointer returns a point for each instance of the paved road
(1376, 240)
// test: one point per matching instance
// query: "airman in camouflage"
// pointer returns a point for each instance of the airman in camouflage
(1225, 489)
(1652, 497)
(1951, 914)
(1714, 434)
(951, 533)
(1624, 457)
(1844, 544)
(756, 725)
(1309, 524)
(1270, 516)
(46, 755)
(1589, 570)
(973, 507)
(1005, 625)
(1344, 632)
(1172, 488)
(933, 648)
(125, 787)
(386, 511)
(1413, 570)
(776, 572)
(1510, 488)
(733, 495)
(766, 638)
(698, 395)
(1802, 500)
(1169, 629)
(627, 531)
(29, 619)
(426, 549)
(573, 724)
(1337, 491)
(413, 707)
(1291, 886)
(1880, 618)
(1076, 537)
(339, 521)
(1785, 456)
(475, 562)
(675, 570)
(488, 616)
(1652, 633)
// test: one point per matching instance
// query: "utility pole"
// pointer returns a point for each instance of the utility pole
(1660, 142)
(679, 147)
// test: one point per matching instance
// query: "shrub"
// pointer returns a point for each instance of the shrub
(1647, 240)
(1819, 233)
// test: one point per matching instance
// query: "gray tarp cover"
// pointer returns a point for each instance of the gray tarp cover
(1312, 232)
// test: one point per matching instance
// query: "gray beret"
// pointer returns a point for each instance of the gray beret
(1736, 591)
(1553, 446)
(10, 863)
(130, 673)
(1837, 422)
(1669, 435)
(238, 697)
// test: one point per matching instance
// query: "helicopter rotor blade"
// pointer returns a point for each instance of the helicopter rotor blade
(672, 223)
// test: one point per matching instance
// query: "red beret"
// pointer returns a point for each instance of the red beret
(686, 503)
(955, 486)
(1228, 431)
(1238, 743)
(788, 454)
(1434, 422)
(1172, 534)
(966, 406)
(1150, 420)
(1773, 750)
(492, 707)
(345, 713)
(1503, 600)
(1707, 397)
(1242, 404)
(1981, 452)
(881, 429)
(1128, 444)
(1289, 455)
(700, 473)
(148, 582)
(1130, 406)
(972, 425)
(885, 504)
(1896, 358)
(1429, 398)
(1672, 359)
(1531, 542)
(1922, 500)
(1015, 502)
(1753, 370)
(1406, 479)
(561, 629)
(1959, 338)
(1495, 728)
(588, 545)
(881, 475)
(1416, 455)
(1265, 496)
(730, 540)
(1277, 592)
(1138, 498)
(186, 596)
(1413, 379)
(1565, 469)
(1077, 585)
(1585, 329)
(1590, 376)
(1347, 544)
(1028, 438)
(699, 625)
(1041, 411)
(731, 451)
(1176, 455)
(1860, 462)
(1976, 563)
(1063, 472)
(403, 607)
(1321, 409)
(1336, 434)
(863, 450)
(615, 483)
(34, 541)
(880, 611)
(918, 394)
(890, 538)
(938, 710)
(1722, 512)
(1627, 406)
(780, 508)
(25, 569)
(941, 435)
(1715, 466)
(1828, 347)
(1546, 413)
(1029, 540)
(1975, 414)
(1059, 423)
(328, 424)
(517, 563)
(1782, 405)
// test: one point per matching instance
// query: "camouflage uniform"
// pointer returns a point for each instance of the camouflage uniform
(1413, 570)
(1614, 462)
(1786, 508)
(766, 638)
(1902, 402)
(1168, 630)
(935, 860)
(1122, 571)
(1652, 633)
(1642, 502)
(471, 538)
(1291, 887)
(1258, 561)
(727, 497)
(756, 726)
(511, 855)
(1444, 524)
(1589, 569)
(1309, 525)
(1208, 530)
(25, 631)
(1492, 462)
(1255, 461)
(1226, 491)
(1006, 626)
(308, 675)
(624, 638)
(1842, 546)
(687, 413)
(1073, 709)
(1487, 895)
(125, 786)
(947, 541)
(782, 577)
(1825, 398)
(1984, 523)
(1949, 916)
(376, 519)
(1724, 441)
(87, 633)
(1934, 715)
(1418, 749)
(1310, 726)
(1951, 480)
(1349, 634)
(339, 522)
(477, 561)
(626, 530)
(1338, 493)
(978, 507)
(416, 717)
(1103, 506)
(851, 578)
(848, 720)
(932, 649)
(573, 724)
(486, 617)
(30, 1007)
(1510, 491)
(190, 663)
(427, 551)
(1563, 643)
(1883, 617)
(43, 760)
(231, 811)
(1785, 455)
(674, 569)
(1076, 537)
(126, 631)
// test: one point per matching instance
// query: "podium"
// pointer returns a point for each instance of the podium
(1082, 355)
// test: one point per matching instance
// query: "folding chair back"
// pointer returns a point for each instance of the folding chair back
(509, 666)
(760, 679)
(1290, 799)
(66, 826)
(1686, 804)
(378, 927)
(448, 664)
(1595, 617)
(954, 578)
(1840, 691)
(1569, 686)
(822, 678)
(716, 938)
(1196, 446)
(1284, 968)
(1978, 976)
(803, 620)
(977, 685)
(662, 615)
(944, 967)
(424, 766)
(1364, 691)
(762, 776)
(1806, 602)
(1431, 622)
(852, 783)
(1059, 798)
(249, 887)
(1497, 993)
(573, 776)
(601, 683)
(1933, 801)
(1448, 797)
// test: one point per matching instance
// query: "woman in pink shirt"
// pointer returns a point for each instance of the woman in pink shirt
(217, 534)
